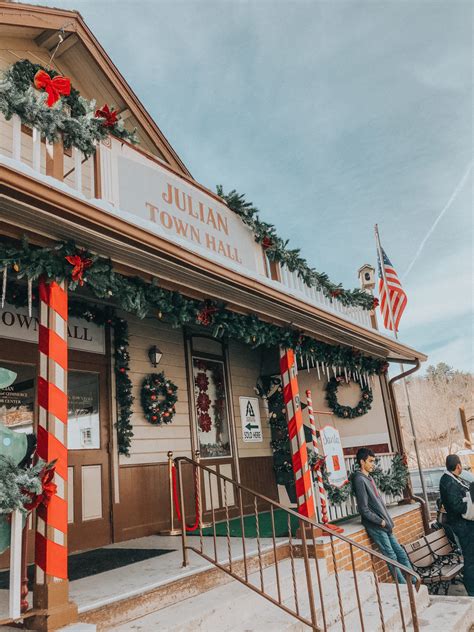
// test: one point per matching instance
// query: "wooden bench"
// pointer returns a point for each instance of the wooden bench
(434, 558)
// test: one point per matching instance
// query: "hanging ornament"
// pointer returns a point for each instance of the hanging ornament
(54, 87)
(80, 264)
(109, 116)
(4, 285)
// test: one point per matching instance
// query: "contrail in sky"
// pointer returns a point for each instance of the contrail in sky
(438, 219)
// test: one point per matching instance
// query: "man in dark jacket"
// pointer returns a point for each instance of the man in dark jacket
(375, 517)
(453, 493)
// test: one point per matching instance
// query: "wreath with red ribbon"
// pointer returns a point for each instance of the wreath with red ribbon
(158, 397)
(347, 412)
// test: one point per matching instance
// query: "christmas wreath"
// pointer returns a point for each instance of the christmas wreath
(158, 397)
(347, 412)
(44, 99)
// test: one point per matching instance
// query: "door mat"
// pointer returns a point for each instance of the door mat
(282, 527)
(93, 562)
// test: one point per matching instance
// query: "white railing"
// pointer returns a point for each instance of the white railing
(349, 507)
(14, 594)
(296, 286)
(96, 177)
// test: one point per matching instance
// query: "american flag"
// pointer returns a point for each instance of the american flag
(396, 294)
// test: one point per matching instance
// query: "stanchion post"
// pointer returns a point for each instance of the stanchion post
(183, 514)
(172, 530)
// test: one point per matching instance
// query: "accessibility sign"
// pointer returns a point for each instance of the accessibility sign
(250, 416)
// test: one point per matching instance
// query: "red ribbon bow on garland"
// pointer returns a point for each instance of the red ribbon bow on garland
(48, 491)
(109, 116)
(204, 317)
(267, 243)
(80, 263)
(53, 87)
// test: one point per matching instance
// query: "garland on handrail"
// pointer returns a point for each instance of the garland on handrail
(45, 100)
(391, 482)
(277, 250)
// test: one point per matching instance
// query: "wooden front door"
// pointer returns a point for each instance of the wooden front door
(89, 443)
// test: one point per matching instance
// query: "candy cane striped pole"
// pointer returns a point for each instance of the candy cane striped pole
(319, 475)
(321, 490)
(299, 453)
(51, 527)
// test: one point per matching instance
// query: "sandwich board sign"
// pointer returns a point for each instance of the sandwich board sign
(332, 450)
(250, 416)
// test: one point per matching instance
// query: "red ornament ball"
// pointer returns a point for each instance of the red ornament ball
(153, 397)
(122, 369)
(154, 417)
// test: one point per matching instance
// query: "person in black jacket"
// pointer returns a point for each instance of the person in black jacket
(453, 493)
(374, 514)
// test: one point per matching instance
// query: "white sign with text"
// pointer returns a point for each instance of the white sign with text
(332, 450)
(16, 324)
(163, 203)
(250, 416)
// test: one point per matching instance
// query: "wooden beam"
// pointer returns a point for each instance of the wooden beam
(68, 43)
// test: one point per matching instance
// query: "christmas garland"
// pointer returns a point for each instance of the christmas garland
(79, 267)
(392, 482)
(45, 100)
(269, 387)
(277, 250)
(347, 412)
(158, 397)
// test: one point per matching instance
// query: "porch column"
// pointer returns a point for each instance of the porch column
(51, 591)
(299, 452)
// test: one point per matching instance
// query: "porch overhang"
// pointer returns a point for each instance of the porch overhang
(46, 212)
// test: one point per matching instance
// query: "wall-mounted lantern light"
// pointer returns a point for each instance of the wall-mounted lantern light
(155, 356)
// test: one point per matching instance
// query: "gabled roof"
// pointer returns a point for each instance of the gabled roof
(81, 57)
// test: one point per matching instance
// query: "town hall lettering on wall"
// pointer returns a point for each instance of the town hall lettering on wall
(210, 218)
(163, 203)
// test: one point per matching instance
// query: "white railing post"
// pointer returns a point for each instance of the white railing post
(15, 566)
(77, 169)
(16, 138)
(36, 149)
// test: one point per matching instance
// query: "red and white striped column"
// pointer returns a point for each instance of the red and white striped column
(51, 526)
(299, 453)
(319, 475)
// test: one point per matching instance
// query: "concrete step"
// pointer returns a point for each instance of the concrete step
(235, 607)
(447, 614)
(390, 610)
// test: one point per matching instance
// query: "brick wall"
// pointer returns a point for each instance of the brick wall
(408, 528)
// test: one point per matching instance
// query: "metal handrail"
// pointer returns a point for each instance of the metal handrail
(306, 525)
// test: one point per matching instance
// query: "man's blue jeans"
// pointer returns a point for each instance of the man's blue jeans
(390, 547)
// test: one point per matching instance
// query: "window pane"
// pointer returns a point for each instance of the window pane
(83, 432)
(211, 409)
(17, 400)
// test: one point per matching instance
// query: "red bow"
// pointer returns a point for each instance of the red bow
(54, 87)
(375, 303)
(267, 243)
(80, 264)
(48, 490)
(109, 116)
(205, 315)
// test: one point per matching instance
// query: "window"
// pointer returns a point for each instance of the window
(83, 431)
(210, 404)
(17, 401)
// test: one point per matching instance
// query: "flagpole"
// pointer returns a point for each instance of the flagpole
(405, 387)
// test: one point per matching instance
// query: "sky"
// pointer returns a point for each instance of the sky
(330, 117)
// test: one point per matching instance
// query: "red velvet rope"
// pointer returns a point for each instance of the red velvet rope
(176, 502)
